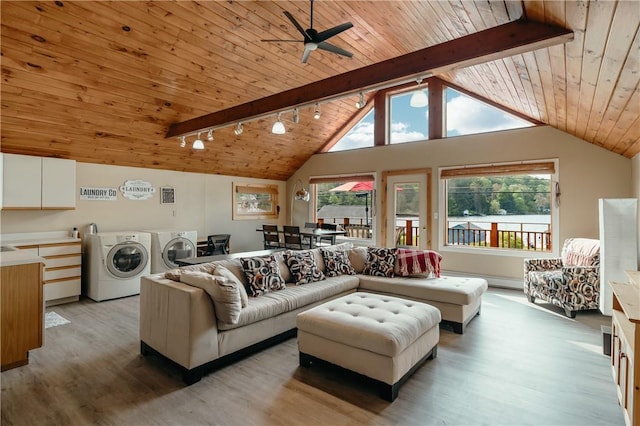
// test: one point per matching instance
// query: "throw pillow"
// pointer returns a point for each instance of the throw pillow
(262, 274)
(380, 262)
(302, 265)
(230, 276)
(337, 263)
(418, 263)
(358, 258)
(224, 294)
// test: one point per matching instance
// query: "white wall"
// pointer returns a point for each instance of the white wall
(586, 173)
(203, 203)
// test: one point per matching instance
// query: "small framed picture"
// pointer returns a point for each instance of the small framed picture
(167, 195)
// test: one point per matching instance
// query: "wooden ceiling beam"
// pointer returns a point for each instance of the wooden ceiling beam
(491, 44)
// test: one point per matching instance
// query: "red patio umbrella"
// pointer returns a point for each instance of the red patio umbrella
(358, 186)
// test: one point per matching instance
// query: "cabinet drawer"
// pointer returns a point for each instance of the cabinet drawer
(55, 274)
(62, 289)
(64, 260)
(57, 249)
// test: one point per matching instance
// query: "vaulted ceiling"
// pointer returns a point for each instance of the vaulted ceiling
(102, 82)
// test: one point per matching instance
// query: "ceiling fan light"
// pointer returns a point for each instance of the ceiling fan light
(419, 99)
(209, 135)
(278, 127)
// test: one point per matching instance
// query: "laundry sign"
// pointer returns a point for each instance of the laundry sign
(98, 194)
(137, 189)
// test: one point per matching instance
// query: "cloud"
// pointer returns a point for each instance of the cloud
(467, 116)
(360, 136)
(400, 133)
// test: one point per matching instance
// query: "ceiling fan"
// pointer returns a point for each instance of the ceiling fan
(316, 40)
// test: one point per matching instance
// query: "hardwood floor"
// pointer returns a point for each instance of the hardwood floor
(517, 363)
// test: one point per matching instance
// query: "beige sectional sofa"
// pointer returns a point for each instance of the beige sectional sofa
(179, 322)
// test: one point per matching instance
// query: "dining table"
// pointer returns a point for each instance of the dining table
(315, 234)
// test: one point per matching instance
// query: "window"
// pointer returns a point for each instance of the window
(501, 207)
(347, 201)
(466, 116)
(360, 136)
(255, 201)
(408, 123)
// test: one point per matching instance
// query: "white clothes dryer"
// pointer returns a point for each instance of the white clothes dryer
(116, 261)
(167, 245)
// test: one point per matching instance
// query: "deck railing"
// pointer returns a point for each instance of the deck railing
(509, 235)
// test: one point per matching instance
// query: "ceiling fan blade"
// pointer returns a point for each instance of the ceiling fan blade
(326, 34)
(334, 49)
(297, 25)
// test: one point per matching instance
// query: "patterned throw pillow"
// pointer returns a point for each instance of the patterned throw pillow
(418, 263)
(380, 262)
(336, 262)
(263, 275)
(303, 268)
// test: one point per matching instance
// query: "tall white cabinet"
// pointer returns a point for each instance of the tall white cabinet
(618, 245)
(37, 183)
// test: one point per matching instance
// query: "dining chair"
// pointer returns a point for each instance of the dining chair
(331, 239)
(292, 237)
(308, 241)
(218, 244)
(271, 236)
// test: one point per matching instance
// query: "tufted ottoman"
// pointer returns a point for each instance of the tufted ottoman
(382, 337)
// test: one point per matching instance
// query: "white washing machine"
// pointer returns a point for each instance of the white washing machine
(116, 261)
(167, 245)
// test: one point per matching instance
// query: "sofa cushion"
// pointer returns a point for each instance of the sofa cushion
(294, 297)
(263, 274)
(337, 263)
(230, 276)
(282, 266)
(417, 263)
(302, 265)
(381, 261)
(224, 293)
(454, 290)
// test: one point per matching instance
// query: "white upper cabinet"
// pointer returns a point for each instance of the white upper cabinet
(58, 183)
(30, 182)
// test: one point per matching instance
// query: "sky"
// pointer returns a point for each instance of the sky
(465, 115)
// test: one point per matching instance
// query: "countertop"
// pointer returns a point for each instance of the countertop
(18, 257)
(35, 238)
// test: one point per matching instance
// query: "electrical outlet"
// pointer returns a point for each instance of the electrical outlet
(435, 215)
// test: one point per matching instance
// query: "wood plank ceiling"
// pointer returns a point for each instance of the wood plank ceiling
(101, 82)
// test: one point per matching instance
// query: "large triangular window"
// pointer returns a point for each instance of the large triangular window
(360, 135)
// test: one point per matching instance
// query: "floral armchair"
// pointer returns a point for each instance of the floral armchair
(571, 281)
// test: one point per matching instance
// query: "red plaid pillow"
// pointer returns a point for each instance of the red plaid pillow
(418, 262)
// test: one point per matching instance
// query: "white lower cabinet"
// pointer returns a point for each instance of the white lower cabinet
(62, 270)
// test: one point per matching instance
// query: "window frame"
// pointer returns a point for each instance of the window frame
(256, 189)
(505, 168)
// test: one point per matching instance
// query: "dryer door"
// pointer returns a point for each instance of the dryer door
(178, 248)
(127, 259)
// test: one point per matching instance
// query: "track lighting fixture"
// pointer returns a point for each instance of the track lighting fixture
(419, 99)
(361, 101)
(239, 129)
(316, 111)
(210, 135)
(183, 142)
(296, 116)
(198, 144)
(278, 126)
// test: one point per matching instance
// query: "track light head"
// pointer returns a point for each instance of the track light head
(361, 101)
(278, 126)
(198, 144)
(239, 129)
(210, 135)
(183, 142)
(316, 111)
(296, 116)
(419, 98)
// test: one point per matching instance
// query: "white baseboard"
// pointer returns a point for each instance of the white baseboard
(494, 281)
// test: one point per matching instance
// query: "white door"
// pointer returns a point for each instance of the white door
(406, 212)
